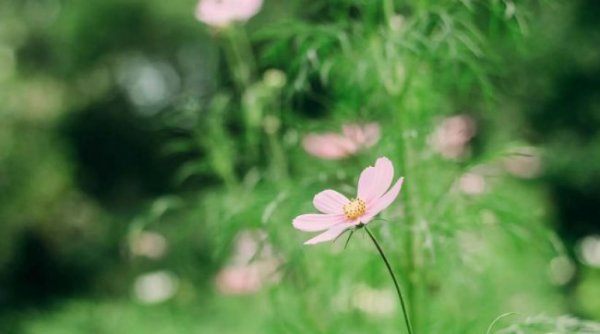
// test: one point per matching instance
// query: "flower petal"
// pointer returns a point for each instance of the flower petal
(330, 234)
(329, 146)
(313, 222)
(246, 9)
(372, 134)
(363, 135)
(330, 201)
(383, 202)
(374, 181)
(353, 132)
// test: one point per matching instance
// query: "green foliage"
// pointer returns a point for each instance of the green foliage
(470, 239)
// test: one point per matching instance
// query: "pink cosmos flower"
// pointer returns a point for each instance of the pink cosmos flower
(253, 265)
(239, 280)
(524, 162)
(220, 13)
(333, 146)
(338, 213)
(451, 138)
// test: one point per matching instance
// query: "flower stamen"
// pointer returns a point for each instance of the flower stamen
(355, 208)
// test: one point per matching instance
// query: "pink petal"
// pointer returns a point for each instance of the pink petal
(353, 132)
(330, 201)
(374, 181)
(223, 12)
(239, 280)
(363, 136)
(328, 146)
(245, 9)
(383, 202)
(372, 134)
(313, 222)
(215, 13)
(330, 234)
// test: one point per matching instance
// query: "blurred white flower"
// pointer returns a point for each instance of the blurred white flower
(397, 22)
(220, 13)
(155, 287)
(149, 85)
(561, 270)
(589, 250)
(451, 138)
(149, 244)
(378, 302)
(252, 266)
(271, 124)
(274, 78)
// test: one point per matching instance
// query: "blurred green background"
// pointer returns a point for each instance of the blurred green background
(151, 166)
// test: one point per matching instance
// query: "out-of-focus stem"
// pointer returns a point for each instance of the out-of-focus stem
(246, 51)
(230, 58)
(278, 158)
(403, 124)
(241, 62)
(274, 132)
(388, 11)
(237, 63)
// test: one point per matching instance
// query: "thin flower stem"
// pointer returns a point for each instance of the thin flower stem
(237, 63)
(348, 240)
(246, 47)
(389, 268)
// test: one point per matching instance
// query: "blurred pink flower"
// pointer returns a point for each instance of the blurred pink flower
(524, 162)
(238, 280)
(354, 137)
(220, 13)
(472, 183)
(452, 136)
(253, 265)
(340, 213)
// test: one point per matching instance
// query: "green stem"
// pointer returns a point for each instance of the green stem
(277, 158)
(237, 64)
(413, 251)
(248, 55)
(389, 268)
(388, 10)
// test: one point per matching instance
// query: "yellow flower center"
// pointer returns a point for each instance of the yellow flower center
(355, 208)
